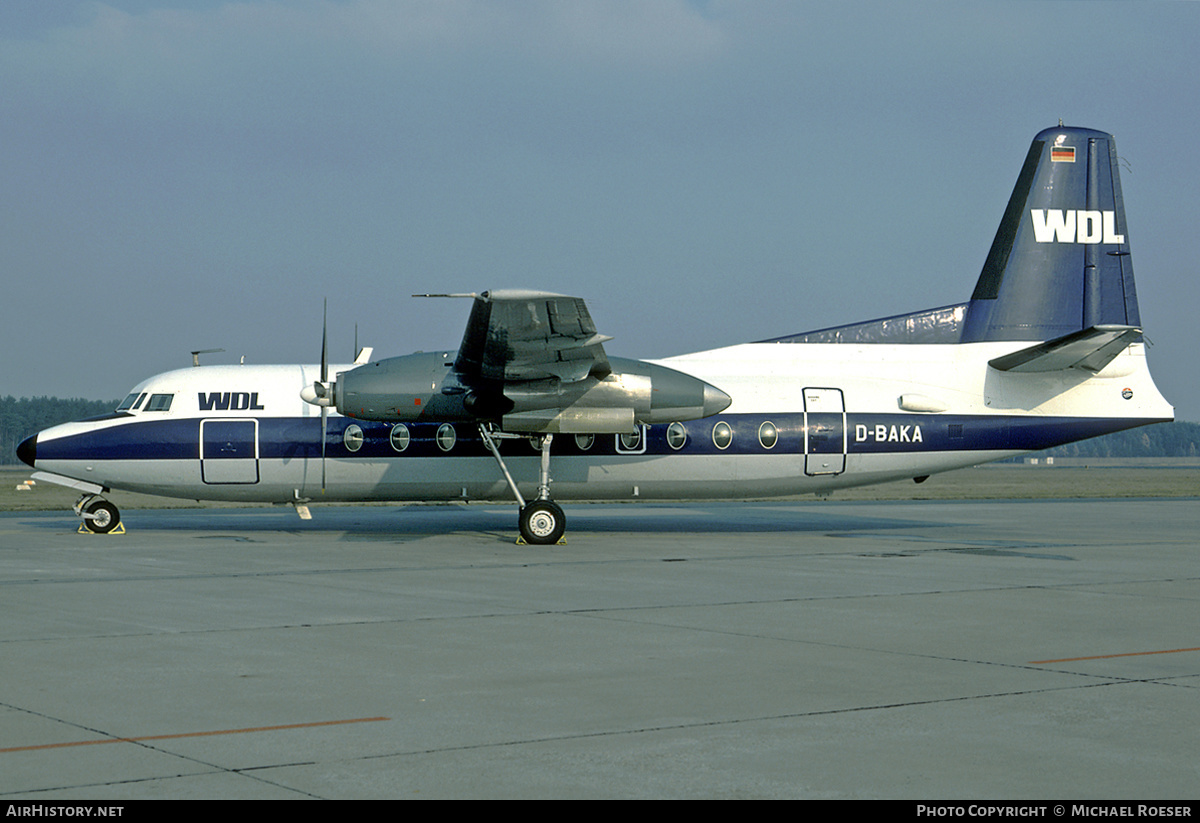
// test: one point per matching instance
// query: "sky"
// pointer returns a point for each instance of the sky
(204, 174)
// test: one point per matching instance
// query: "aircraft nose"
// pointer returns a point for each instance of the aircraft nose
(27, 450)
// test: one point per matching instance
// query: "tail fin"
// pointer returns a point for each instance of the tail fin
(1060, 262)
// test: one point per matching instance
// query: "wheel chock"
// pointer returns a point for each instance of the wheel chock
(117, 529)
(562, 541)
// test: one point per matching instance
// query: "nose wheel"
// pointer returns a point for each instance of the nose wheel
(99, 516)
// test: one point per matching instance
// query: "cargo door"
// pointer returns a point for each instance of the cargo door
(229, 451)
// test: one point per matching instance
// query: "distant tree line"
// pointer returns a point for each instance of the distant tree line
(21, 418)
(1160, 440)
(29, 415)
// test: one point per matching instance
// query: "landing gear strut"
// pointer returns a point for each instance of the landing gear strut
(99, 516)
(541, 521)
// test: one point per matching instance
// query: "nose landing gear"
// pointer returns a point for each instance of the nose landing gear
(99, 516)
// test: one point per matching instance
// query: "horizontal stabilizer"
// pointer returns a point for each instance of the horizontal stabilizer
(1090, 349)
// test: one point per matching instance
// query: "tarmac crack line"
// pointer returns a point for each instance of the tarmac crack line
(145, 742)
(730, 722)
(1029, 666)
(609, 613)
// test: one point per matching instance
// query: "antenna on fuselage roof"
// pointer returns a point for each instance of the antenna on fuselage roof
(361, 356)
(196, 355)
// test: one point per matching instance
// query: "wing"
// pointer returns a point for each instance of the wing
(516, 336)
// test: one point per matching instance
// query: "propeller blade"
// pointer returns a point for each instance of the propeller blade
(325, 342)
(324, 425)
(324, 380)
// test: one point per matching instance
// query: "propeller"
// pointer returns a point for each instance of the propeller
(324, 384)
(321, 393)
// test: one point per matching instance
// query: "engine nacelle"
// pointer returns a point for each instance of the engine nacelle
(412, 387)
(424, 386)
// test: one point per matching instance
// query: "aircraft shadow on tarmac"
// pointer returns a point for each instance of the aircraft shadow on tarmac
(424, 520)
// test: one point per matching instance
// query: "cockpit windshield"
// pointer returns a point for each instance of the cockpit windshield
(156, 402)
(131, 402)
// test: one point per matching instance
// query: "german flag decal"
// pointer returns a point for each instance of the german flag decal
(1062, 154)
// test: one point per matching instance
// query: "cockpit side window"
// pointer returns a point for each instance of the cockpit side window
(131, 402)
(159, 402)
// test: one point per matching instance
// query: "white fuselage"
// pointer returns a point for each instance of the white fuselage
(803, 418)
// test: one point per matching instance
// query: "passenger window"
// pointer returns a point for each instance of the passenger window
(399, 437)
(768, 435)
(722, 435)
(676, 436)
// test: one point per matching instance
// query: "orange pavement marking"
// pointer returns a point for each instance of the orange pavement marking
(194, 734)
(1107, 656)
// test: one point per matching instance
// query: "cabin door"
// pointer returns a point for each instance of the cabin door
(824, 432)
(229, 451)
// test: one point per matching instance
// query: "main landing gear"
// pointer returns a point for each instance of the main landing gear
(541, 521)
(99, 516)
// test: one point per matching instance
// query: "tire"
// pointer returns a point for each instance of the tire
(542, 523)
(104, 519)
